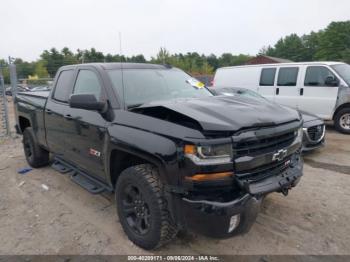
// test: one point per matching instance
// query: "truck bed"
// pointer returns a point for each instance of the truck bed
(31, 105)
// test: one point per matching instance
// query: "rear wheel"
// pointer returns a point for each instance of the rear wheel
(142, 208)
(342, 121)
(35, 155)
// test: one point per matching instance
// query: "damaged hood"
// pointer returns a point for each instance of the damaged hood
(307, 117)
(224, 113)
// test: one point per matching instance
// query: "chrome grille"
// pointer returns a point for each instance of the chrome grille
(316, 133)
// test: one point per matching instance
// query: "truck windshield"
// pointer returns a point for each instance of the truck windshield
(146, 85)
(344, 71)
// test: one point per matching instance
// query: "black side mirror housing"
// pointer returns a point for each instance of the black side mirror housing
(86, 101)
(331, 81)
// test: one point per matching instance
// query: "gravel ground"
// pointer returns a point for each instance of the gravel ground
(62, 218)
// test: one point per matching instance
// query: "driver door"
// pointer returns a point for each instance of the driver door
(315, 95)
(87, 128)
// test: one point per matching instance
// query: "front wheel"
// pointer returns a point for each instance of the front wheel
(142, 208)
(342, 121)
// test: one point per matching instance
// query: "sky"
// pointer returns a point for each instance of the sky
(205, 26)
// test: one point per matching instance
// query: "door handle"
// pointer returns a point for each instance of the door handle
(48, 111)
(277, 91)
(301, 91)
(68, 117)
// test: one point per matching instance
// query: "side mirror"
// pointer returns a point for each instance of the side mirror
(86, 101)
(331, 81)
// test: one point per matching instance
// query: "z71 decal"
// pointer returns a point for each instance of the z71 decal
(94, 152)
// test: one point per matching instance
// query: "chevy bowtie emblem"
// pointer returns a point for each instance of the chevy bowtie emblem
(280, 155)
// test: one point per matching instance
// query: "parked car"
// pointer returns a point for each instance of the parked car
(313, 127)
(39, 88)
(320, 88)
(8, 91)
(176, 156)
(19, 89)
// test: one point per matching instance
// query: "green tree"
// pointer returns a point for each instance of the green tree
(24, 69)
(93, 56)
(163, 56)
(213, 61)
(346, 55)
(311, 43)
(68, 57)
(228, 59)
(291, 47)
(137, 59)
(334, 42)
(5, 71)
(40, 69)
(53, 60)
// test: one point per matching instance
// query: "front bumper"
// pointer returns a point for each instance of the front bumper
(309, 146)
(213, 218)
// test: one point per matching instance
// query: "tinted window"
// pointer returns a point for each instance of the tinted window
(64, 86)
(87, 83)
(267, 77)
(316, 75)
(287, 76)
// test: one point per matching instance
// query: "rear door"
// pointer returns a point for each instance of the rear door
(267, 82)
(287, 92)
(56, 107)
(315, 96)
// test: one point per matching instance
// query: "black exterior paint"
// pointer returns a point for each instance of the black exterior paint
(71, 133)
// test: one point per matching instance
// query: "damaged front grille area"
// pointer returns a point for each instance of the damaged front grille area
(265, 171)
(264, 145)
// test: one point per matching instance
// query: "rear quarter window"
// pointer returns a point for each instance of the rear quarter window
(267, 77)
(63, 87)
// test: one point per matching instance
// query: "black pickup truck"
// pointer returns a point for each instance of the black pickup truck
(176, 156)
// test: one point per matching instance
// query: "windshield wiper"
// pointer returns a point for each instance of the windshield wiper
(134, 105)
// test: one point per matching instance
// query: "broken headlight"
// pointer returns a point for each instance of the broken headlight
(209, 154)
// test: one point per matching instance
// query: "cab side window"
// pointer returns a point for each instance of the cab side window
(317, 75)
(287, 76)
(267, 77)
(88, 83)
(63, 87)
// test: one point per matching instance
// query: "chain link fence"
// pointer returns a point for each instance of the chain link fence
(4, 116)
(7, 119)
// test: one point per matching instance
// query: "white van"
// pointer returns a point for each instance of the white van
(320, 88)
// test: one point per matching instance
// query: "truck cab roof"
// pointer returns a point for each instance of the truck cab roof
(110, 66)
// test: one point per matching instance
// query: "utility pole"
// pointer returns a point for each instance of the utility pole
(13, 76)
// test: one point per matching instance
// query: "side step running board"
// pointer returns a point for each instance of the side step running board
(81, 178)
(58, 166)
(87, 183)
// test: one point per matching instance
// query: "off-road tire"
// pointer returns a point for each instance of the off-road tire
(337, 120)
(35, 155)
(162, 229)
